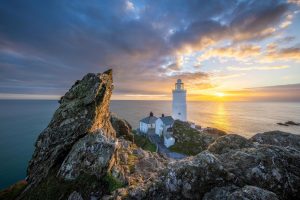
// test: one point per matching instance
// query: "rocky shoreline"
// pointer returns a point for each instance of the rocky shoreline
(88, 153)
(289, 123)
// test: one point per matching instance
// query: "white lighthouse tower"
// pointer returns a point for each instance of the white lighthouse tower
(179, 101)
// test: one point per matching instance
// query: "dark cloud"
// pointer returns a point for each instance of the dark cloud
(286, 39)
(249, 20)
(46, 45)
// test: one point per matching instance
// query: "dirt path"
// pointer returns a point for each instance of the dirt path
(161, 147)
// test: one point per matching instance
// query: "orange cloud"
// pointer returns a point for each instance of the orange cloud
(237, 52)
(292, 53)
(264, 33)
(263, 68)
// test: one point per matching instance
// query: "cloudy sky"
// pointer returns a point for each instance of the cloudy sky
(231, 49)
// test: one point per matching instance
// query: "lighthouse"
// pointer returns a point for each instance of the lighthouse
(179, 101)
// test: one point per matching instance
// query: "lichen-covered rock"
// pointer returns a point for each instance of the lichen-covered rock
(75, 196)
(252, 192)
(191, 178)
(278, 138)
(220, 193)
(229, 142)
(83, 110)
(235, 193)
(122, 127)
(91, 155)
(270, 167)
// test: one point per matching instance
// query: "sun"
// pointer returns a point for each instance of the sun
(220, 94)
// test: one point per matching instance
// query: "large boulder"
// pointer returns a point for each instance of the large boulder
(229, 142)
(83, 110)
(91, 155)
(278, 138)
(235, 193)
(191, 178)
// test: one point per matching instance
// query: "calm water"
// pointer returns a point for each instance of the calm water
(22, 121)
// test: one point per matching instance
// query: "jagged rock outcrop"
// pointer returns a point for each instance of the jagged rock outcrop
(229, 142)
(83, 110)
(121, 126)
(85, 151)
(136, 168)
(278, 138)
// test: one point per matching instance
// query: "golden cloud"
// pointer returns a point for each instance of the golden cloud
(228, 76)
(292, 53)
(237, 52)
(263, 68)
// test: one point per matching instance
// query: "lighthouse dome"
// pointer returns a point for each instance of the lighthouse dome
(178, 80)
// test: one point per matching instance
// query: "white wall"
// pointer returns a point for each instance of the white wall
(158, 126)
(169, 141)
(143, 127)
(179, 105)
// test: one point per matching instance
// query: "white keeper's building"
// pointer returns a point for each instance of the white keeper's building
(163, 126)
(147, 123)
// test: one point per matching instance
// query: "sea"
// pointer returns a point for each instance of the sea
(21, 121)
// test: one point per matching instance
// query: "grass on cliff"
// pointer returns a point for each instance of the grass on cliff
(144, 143)
(53, 188)
(112, 182)
(13, 191)
(189, 141)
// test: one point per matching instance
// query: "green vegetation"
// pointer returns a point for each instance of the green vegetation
(189, 141)
(53, 188)
(112, 182)
(144, 143)
(132, 159)
(187, 148)
(13, 191)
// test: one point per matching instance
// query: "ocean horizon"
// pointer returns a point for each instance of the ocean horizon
(23, 120)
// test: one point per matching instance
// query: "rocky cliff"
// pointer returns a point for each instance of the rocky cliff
(88, 153)
(234, 167)
(83, 115)
(85, 151)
